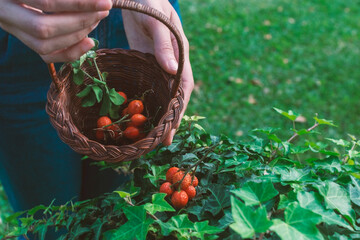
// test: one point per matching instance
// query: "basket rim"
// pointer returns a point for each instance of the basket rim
(174, 107)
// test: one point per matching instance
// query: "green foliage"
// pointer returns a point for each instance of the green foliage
(256, 189)
(98, 91)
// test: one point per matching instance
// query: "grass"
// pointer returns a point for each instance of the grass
(250, 56)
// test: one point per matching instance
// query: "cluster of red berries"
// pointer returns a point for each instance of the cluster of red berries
(132, 127)
(180, 187)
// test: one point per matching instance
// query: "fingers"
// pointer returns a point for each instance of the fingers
(69, 5)
(45, 26)
(48, 46)
(70, 54)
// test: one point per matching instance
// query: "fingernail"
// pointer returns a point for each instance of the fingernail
(103, 5)
(173, 65)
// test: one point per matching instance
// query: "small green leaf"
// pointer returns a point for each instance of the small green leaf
(312, 201)
(123, 194)
(105, 106)
(324, 122)
(253, 193)
(78, 76)
(98, 92)
(96, 44)
(202, 228)
(247, 220)
(159, 204)
(157, 173)
(116, 98)
(104, 75)
(82, 60)
(89, 100)
(336, 197)
(84, 92)
(91, 54)
(135, 228)
(340, 142)
(290, 114)
(354, 190)
(299, 223)
(114, 111)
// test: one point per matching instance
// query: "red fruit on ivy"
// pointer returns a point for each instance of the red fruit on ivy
(170, 173)
(179, 199)
(99, 134)
(124, 96)
(191, 192)
(132, 133)
(166, 188)
(125, 112)
(103, 121)
(195, 181)
(135, 106)
(185, 182)
(137, 120)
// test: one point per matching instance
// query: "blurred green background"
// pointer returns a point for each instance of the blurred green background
(251, 55)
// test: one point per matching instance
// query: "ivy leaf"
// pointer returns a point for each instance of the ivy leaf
(253, 193)
(115, 98)
(290, 114)
(336, 197)
(324, 122)
(330, 164)
(98, 92)
(84, 92)
(293, 174)
(340, 142)
(247, 220)
(299, 224)
(219, 198)
(354, 190)
(202, 228)
(105, 106)
(89, 100)
(178, 223)
(159, 204)
(157, 173)
(135, 228)
(226, 220)
(312, 202)
(78, 76)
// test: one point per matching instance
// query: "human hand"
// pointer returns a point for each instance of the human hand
(148, 35)
(60, 36)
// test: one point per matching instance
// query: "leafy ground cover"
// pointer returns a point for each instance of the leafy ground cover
(258, 189)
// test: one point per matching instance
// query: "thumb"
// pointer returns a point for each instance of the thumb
(163, 48)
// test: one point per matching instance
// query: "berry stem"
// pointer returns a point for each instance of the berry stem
(195, 165)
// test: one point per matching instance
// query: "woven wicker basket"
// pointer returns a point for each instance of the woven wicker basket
(131, 71)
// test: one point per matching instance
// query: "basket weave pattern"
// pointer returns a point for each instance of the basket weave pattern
(130, 71)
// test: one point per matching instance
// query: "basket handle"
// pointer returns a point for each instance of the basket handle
(137, 7)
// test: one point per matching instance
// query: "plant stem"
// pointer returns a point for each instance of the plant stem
(98, 71)
(292, 138)
(195, 165)
(352, 149)
(128, 200)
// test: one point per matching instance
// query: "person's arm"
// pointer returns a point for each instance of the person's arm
(148, 35)
(60, 36)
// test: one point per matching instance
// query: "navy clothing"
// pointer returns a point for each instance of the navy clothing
(35, 165)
